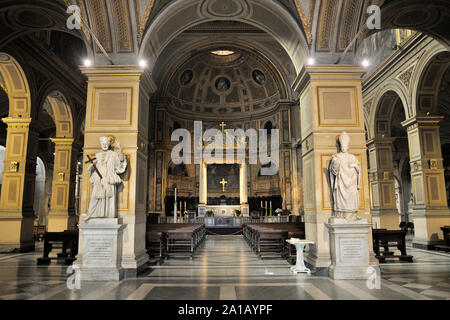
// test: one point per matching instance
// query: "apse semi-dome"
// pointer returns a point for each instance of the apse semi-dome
(212, 82)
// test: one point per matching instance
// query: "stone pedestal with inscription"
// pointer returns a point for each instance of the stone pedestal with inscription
(101, 250)
(349, 249)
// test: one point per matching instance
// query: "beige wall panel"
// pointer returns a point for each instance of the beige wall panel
(112, 107)
(430, 140)
(16, 144)
(11, 191)
(325, 160)
(373, 159)
(308, 174)
(306, 114)
(337, 106)
(414, 145)
(436, 189)
(388, 200)
(375, 195)
(63, 161)
(20, 105)
(417, 182)
(385, 158)
(61, 192)
(65, 128)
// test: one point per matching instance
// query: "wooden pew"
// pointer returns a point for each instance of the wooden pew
(269, 238)
(69, 241)
(165, 240)
(386, 239)
(446, 246)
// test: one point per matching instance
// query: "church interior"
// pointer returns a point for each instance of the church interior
(297, 73)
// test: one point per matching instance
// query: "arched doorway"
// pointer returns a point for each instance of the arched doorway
(60, 139)
(428, 134)
(387, 150)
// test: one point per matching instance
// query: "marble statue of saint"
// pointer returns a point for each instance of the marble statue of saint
(345, 171)
(104, 178)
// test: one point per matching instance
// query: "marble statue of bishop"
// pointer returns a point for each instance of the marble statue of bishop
(345, 171)
(103, 201)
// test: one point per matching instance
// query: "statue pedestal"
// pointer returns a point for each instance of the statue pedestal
(349, 249)
(101, 240)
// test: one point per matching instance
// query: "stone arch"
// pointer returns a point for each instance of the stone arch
(383, 106)
(267, 15)
(14, 82)
(59, 109)
(427, 78)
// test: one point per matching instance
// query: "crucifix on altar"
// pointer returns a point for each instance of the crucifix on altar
(223, 125)
(223, 183)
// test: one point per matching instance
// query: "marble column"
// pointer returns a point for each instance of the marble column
(430, 210)
(61, 216)
(330, 103)
(17, 195)
(118, 106)
(384, 210)
(296, 188)
(243, 188)
(203, 185)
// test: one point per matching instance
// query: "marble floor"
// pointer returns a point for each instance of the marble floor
(224, 268)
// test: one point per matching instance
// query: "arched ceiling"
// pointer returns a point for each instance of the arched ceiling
(130, 30)
(18, 17)
(133, 29)
(223, 34)
(431, 17)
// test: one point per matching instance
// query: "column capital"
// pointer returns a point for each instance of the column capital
(326, 72)
(62, 141)
(17, 122)
(422, 121)
(113, 70)
(380, 141)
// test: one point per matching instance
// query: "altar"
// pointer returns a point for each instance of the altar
(223, 210)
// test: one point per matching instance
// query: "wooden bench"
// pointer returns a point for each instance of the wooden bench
(69, 241)
(270, 238)
(446, 245)
(386, 239)
(165, 240)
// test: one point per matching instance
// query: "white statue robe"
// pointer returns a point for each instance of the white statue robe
(345, 183)
(103, 201)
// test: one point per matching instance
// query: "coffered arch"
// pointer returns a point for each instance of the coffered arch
(267, 15)
(14, 82)
(427, 78)
(383, 107)
(59, 110)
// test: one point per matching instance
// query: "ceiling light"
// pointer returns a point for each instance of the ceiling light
(222, 52)
(143, 63)
(87, 63)
(365, 63)
(311, 61)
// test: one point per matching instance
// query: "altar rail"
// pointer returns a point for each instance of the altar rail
(242, 220)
